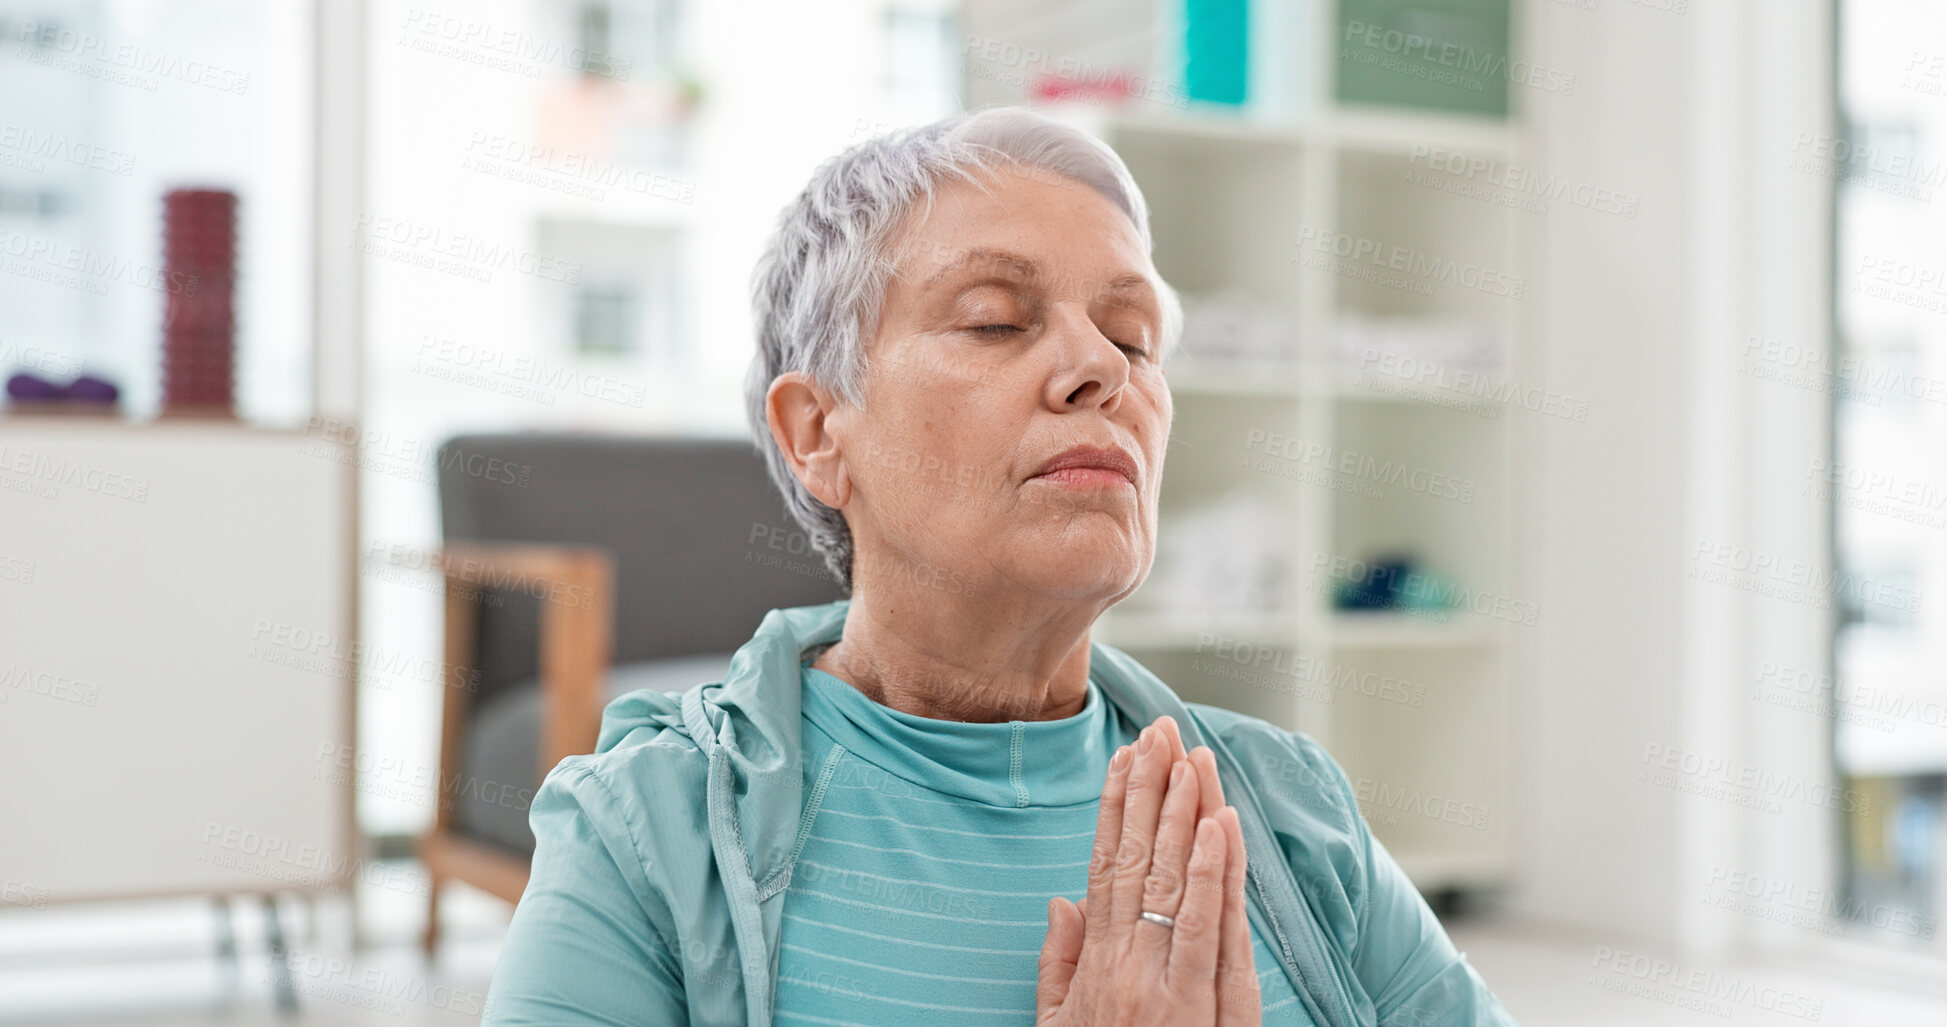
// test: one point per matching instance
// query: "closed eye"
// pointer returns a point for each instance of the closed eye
(997, 329)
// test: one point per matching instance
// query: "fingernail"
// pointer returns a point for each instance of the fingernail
(1176, 774)
(1120, 759)
(1206, 833)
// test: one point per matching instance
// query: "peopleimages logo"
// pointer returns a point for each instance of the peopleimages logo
(1793, 580)
(19, 894)
(280, 859)
(1364, 466)
(1375, 367)
(48, 684)
(578, 174)
(1671, 982)
(460, 254)
(332, 977)
(407, 457)
(37, 146)
(1381, 802)
(1281, 669)
(1426, 591)
(503, 49)
(1885, 162)
(1410, 264)
(1819, 909)
(79, 268)
(1827, 371)
(1524, 181)
(1463, 65)
(526, 375)
(1009, 63)
(1715, 777)
(51, 472)
(122, 62)
(1874, 706)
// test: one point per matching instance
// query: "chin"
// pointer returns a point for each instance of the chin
(1108, 580)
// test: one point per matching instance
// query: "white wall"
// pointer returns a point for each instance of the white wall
(1646, 318)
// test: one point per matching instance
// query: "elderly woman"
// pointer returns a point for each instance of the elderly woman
(937, 801)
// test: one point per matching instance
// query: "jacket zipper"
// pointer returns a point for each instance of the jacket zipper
(1313, 957)
(1319, 963)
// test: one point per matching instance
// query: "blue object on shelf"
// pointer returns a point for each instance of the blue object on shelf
(1216, 48)
(1423, 591)
(1394, 581)
(1379, 588)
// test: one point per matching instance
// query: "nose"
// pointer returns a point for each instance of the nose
(1090, 370)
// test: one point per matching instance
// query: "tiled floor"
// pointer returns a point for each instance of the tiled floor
(153, 965)
(1548, 977)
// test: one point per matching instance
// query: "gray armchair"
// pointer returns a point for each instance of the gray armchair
(580, 567)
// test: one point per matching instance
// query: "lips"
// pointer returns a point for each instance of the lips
(1094, 458)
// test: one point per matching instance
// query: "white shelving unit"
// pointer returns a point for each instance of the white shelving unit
(1415, 705)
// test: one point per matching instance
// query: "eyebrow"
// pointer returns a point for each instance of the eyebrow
(1021, 266)
(1027, 270)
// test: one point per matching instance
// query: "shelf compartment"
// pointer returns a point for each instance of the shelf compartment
(1427, 754)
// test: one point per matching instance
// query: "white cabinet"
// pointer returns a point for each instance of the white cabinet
(176, 658)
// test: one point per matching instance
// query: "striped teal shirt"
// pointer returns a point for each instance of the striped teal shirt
(921, 894)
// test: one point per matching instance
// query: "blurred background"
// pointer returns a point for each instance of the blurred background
(1561, 439)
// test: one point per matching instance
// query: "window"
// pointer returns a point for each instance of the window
(566, 201)
(105, 108)
(1888, 477)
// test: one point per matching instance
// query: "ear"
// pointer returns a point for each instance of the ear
(802, 417)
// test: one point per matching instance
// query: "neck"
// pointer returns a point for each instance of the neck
(950, 657)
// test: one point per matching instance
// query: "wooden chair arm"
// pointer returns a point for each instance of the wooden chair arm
(576, 586)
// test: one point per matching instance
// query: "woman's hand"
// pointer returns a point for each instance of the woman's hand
(1164, 843)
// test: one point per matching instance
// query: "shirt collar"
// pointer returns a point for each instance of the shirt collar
(1011, 764)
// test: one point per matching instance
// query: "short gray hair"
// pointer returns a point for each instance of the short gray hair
(817, 289)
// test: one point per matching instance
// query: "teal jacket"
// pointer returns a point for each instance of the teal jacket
(661, 859)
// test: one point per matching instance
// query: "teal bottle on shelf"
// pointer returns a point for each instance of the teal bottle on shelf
(1216, 50)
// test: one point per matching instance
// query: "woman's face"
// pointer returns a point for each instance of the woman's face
(1019, 323)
